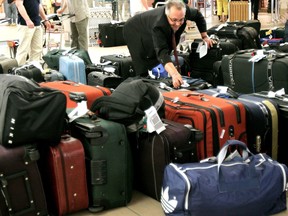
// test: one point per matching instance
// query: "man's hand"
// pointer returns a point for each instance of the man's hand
(177, 80)
(47, 24)
(29, 24)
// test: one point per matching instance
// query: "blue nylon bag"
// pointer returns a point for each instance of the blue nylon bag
(243, 185)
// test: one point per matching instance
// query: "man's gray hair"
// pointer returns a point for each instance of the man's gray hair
(179, 4)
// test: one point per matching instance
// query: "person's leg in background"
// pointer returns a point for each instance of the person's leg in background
(74, 35)
(36, 45)
(25, 35)
(82, 30)
(7, 11)
(14, 14)
(220, 10)
(255, 8)
(225, 10)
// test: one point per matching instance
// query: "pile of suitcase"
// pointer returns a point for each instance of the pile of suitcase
(95, 162)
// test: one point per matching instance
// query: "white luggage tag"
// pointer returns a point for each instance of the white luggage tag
(154, 122)
(79, 111)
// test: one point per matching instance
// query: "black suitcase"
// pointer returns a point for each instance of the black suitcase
(29, 71)
(152, 152)
(203, 67)
(6, 64)
(111, 34)
(124, 64)
(22, 192)
(244, 76)
(108, 162)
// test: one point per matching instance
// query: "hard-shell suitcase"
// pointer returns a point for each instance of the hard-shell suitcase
(108, 162)
(152, 152)
(22, 191)
(124, 63)
(218, 119)
(6, 64)
(69, 87)
(63, 173)
(245, 76)
(111, 34)
(261, 120)
(73, 68)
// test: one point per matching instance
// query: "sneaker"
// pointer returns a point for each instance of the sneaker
(13, 24)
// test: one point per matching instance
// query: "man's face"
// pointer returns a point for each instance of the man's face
(176, 18)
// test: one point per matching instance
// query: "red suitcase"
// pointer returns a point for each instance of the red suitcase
(218, 119)
(64, 176)
(91, 92)
(22, 192)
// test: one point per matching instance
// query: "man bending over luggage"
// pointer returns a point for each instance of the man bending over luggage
(149, 36)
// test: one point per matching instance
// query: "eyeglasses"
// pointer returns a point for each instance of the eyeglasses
(176, 20)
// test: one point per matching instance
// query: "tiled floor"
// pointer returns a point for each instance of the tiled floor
(140, 205)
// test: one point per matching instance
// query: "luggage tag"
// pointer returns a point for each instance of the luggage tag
(81, 108)
(154, 122)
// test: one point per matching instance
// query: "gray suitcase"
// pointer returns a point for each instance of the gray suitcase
(6, 64)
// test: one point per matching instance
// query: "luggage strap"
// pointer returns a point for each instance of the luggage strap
(274, 118)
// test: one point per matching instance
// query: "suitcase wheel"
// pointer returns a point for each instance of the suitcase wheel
(95, 209)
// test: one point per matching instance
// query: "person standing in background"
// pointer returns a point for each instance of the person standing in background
(30, 32)
(255, 8)
(78, 23)
(10, 10)
(222, 10)
(138, 6)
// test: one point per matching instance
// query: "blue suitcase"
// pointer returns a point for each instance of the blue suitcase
(73, 68)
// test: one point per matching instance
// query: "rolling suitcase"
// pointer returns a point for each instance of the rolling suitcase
(64, 176)
(111, 34)
(73, 68)
(108, 162)
(6, 64)
(29, 71)
(124, 64)
(69, 88)
(218, 119)
(152, 152)
(203, 67)
(261, 120)
(245, 76)
(22, 191)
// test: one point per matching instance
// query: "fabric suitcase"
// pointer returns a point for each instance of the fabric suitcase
(218, 119)
(177, 143)
(261, 120)
(29, 113)
(108, 162)
(69, 87)
(51, 75)
(29, 71)
(73, 69)
(223, 185)
(104, 76)
(124, 64)
(281, 102)
(6, 64)
(111, 34)
(52, 57)
(244, 76)
(63, 173)
(22, 191)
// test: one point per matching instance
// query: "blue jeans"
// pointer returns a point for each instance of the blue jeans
(10, 12)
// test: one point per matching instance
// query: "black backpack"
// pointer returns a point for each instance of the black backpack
(128, 102)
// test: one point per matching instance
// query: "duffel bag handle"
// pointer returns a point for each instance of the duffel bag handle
(222, 154)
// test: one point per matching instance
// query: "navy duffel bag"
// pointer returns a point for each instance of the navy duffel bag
(235, 185)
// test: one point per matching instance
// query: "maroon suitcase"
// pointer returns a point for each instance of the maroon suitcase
(20, 182)
(64, 176)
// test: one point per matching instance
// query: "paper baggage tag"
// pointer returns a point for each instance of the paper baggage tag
(154, 122)
(79, 111)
